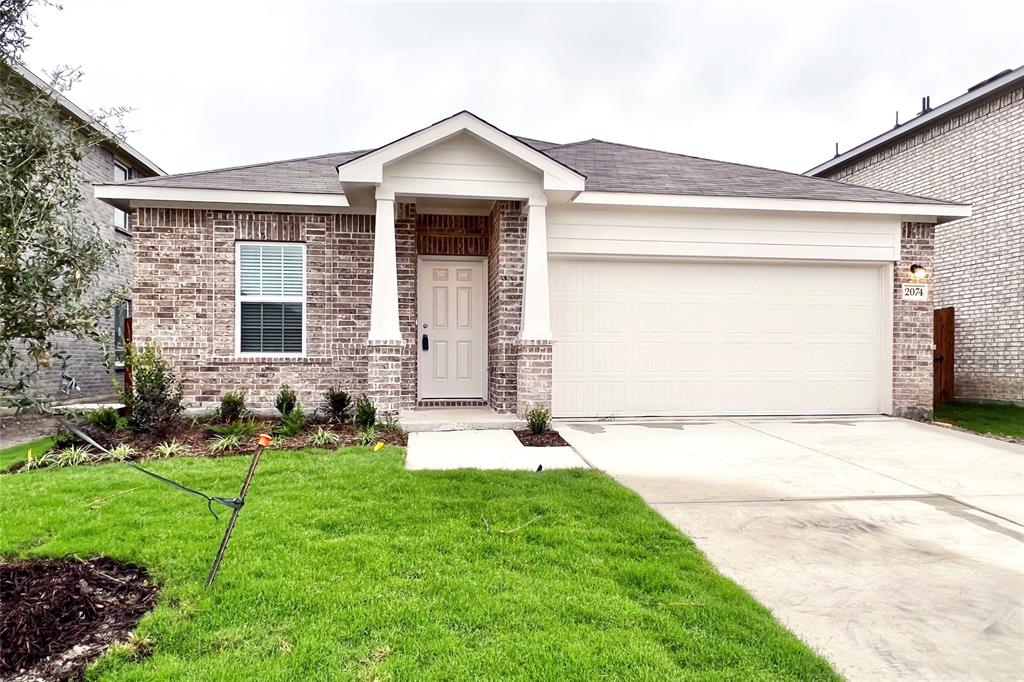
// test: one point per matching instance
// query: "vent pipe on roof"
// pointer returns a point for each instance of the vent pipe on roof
(926, 105)
(837, 149)
(897, 120)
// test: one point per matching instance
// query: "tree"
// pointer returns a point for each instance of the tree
(50, 255)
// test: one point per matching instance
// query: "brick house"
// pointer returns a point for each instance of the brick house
(968, 150)
(462, 265)
(113, 160)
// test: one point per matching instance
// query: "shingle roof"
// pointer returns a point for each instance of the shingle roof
(608, 167)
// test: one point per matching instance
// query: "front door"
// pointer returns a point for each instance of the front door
(451, 328)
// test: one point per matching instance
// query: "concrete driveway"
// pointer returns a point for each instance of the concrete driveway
(895, 549)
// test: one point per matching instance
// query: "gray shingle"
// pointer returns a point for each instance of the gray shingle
(608, 167)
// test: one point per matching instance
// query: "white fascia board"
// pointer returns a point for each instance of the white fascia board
(370, 167)
(136, 195)
(922, 211)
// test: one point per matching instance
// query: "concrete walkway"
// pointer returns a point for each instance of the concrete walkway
(499, 449)
(895, 549)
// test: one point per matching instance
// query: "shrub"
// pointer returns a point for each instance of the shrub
(339, 404)
(539, 420)
(286, 400)
(228, 443)
(323, 438)
(293, 422)
(171, 449)
(105, 419)
(367, 436)
(69, 457)
(366, 413)
(232, 406)
(155, 399)
(122, 452)
(240, 427)
(388, 423)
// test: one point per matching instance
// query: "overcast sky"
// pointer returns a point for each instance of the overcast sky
(775, 84)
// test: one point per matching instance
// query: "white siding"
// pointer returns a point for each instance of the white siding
(624, 230)
(462, 165)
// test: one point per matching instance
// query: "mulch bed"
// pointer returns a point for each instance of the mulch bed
(548, 439)
(59, 614)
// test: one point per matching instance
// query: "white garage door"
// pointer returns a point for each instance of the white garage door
(636, 338)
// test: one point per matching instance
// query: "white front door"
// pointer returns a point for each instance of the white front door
(451, 328)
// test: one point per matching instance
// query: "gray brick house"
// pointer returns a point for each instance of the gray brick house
(108, 162)
(461, 265)
(970, 150)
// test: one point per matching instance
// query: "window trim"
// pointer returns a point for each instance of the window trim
(127, 227)
(267, 299)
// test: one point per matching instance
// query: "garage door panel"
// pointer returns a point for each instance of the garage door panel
(672, 338)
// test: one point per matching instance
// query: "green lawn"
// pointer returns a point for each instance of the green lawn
(1001, 419)
(19, 453)
(346, 566)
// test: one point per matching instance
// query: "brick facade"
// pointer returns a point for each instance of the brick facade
(912, 327)
(533, 382)
(185, 301)
(973, 157)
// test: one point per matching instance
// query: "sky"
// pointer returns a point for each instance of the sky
(776, 84)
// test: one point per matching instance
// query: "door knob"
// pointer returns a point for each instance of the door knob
(426, 342)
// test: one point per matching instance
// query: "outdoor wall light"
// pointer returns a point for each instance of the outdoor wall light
(918, 271)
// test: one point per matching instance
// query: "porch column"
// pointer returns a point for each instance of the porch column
(384, 302)
(536, 323)
(533, 365)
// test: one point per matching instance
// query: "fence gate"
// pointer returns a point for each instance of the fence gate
(943, 331)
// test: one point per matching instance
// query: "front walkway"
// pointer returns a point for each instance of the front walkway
(895, 549)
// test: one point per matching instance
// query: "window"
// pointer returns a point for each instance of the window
(121, 222)
(270, 314)
(121, 313)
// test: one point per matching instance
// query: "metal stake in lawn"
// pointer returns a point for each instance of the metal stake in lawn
(236, 508)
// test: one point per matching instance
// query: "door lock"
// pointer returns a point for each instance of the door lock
(426, 342)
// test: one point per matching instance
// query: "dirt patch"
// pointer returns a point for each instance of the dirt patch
(59, 614)
(548, 439)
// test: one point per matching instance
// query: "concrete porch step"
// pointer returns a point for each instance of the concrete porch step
(457, 419)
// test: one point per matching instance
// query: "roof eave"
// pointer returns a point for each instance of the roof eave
(126, 196)
(943, 110)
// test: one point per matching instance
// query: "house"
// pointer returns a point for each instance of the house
(967, 150)
(461, 265)
(113, 160)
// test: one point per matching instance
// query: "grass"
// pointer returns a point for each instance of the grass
(19, 453)
(346, 566)
(1001, 419)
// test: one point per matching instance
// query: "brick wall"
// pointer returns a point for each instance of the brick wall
(976, 158)
(533, 388)
(506, 256)
(912, 327)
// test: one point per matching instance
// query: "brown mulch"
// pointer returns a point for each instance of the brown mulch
(59, 614)
(548, 439)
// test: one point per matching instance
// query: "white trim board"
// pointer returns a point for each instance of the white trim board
(922, 212)
(133, 196)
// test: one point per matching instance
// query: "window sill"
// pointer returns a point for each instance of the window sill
(122, 231)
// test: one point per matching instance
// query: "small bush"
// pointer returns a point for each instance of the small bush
(338, 404)
(388, 423)
(286, 400)
(105, 419)
(368, 436)
(293, 422)
(122, 452)
(240, 427)
(324, 439)
(223, 444)
(366, 413)
(539, 420)
(155, 398)
(171, 449)
(232, 406)
(71, 456)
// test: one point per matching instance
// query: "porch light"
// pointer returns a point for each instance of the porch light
(918, 271)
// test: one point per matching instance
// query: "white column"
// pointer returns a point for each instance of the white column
(536, 324)
(384, 303)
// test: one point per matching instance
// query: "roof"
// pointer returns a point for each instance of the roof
(126, 149)
(607, 167)
(986, 89)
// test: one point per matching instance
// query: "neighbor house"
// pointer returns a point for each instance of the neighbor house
(461, 265)
(971, 150)
(113, 160)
